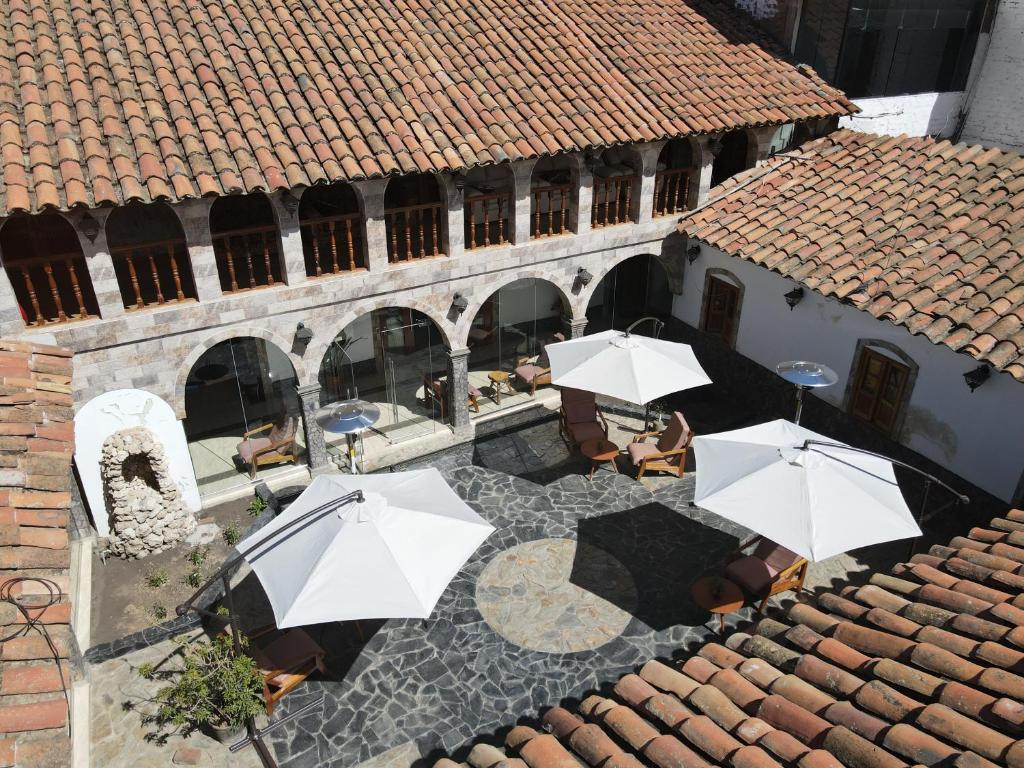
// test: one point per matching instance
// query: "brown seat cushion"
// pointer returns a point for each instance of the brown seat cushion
(529, 372)
(473, 391)
(777, 557)
(675, 435)
(586, 430)
(247, 448)
(751, 573)
(638, 451)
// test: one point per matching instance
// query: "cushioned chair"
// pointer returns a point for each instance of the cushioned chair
(435, 390)
(579, 418)
(285, 658)
(666, 455)
(771, 569)
(277, 447)
(536, 371)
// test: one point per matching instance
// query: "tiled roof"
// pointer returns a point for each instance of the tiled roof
(922, 666)
(36, 443)
(110, 100)
(920, 232)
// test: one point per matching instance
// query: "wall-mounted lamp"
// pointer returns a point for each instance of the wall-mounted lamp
(693, 253)
(303, 335)
(715, 145)
(460, 303)
(794, 297)
(460, 182)
(89, 227)
(290, 202)
(977, 376)
(583, 277)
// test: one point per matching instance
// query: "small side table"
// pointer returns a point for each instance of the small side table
(717, 595)
(600, 451)
(498, 380)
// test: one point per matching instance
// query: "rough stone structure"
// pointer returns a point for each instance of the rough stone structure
(144, 504)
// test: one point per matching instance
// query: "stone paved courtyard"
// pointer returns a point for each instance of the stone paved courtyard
(580, 582)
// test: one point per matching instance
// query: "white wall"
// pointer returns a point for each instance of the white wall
(974, 434)
(922, 114)
(995, 113)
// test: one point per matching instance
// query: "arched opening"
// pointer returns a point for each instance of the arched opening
(507, 361)
(488, 206)
(243, 419)
(672, 179)
(414, 214)
(634, 288)
(731, 158)
(787, 137)
(245, 242)
(388, 357)
(151, 262)
(552, 197)
(332, 230)
(47, 270)
(616, 187)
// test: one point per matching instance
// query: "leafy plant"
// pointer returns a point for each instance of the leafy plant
(159, 612)
(256, 507)
(198, 556)
(222, 610)
(232, 534)
(193, 579)
(213, 688)
(156, 579)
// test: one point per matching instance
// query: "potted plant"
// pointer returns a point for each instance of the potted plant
(215, 690)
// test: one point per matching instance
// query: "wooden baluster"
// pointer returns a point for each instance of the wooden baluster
(156, 278)
(472, 224)
(231, 263)
(135, 280)
(536, 210)
(54, 293)
(408, 235)
(31, 288)
(394, 237)
(175, 274)
(501, 221)
(563, 202)
(433, 228)
(266, 258)
(680, 186)
(73, 274)
(626, 214)
(314, 236)
(551, 210)
(247, 249)
(334, 247)
(351, 246)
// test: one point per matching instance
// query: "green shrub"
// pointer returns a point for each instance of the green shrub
(156, 579)
(232, 534)
(193, 579)
(256, 507)
(158, 612)
(198, 556)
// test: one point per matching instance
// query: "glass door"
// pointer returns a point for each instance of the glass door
(414, 371)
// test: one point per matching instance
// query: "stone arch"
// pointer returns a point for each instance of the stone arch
(476, 302)
(582, 299)
(599, 281)
(732, 278)
(892, 350)
(224, 334)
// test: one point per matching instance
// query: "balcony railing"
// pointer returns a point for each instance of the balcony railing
(333, 245)
(611, 204)
(50, 289)
(247, 258)
(413, 232)
(671, 191)
(152, 274)
(551, 210)
(487, 219)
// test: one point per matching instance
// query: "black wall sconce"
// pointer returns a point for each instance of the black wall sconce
(583, 277)
(290, 202)
(89, 227)
(693, 253)
(460, 182)
(460, 303)
(794, 297)
(303, 335)
(977, 376)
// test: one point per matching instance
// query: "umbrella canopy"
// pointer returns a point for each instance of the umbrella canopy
(816, 502)
(390, 556)
(636, 369)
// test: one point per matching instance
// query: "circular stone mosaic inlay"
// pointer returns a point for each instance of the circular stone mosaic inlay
(556, 596)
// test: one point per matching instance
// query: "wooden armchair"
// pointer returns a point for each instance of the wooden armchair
(668, 454)
(579, 418)
(770, 570)
(277, 447)
(536, 371)
(435, 391)
(285, 658)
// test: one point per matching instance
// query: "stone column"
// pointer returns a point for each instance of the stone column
(289, 238)
(454, 241)
(700, 182)
(371, 195)
(458, 386)
(90, 226)
(195, 220)
(316, 446)
(522, 181)
(649, 153)
(759, 143)
(584, 196)
(574, 326)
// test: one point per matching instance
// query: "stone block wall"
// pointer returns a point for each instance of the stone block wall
(36, 443)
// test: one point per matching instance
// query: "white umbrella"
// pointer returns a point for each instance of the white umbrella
(633, 368)
(816, 501)
(390, 556)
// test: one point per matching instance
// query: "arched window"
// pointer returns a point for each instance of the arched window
(488, 206)
(672, 180)
(616, 179)
(245, 242)
(634, 288)
(415, 216)
(147, 245)
(731, 158)
(552, 197)
(332, 230)
(47, 270)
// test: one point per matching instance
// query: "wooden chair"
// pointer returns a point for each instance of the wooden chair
(770, 570)
(285, 658)
(435, 390)
(536, 371)
(277, 447)
(668, 454)
(579, 418)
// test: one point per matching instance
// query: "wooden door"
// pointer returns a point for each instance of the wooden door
(721, 308)
(878, 390)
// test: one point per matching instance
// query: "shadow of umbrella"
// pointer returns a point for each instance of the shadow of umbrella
(664, 550)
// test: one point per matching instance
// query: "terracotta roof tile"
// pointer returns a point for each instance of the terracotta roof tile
(940, 253)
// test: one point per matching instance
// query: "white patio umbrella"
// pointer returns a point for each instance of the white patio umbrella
(816, 501)
(389, 556)
(633, 368)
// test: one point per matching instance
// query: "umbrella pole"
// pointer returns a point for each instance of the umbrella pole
(799, 404)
